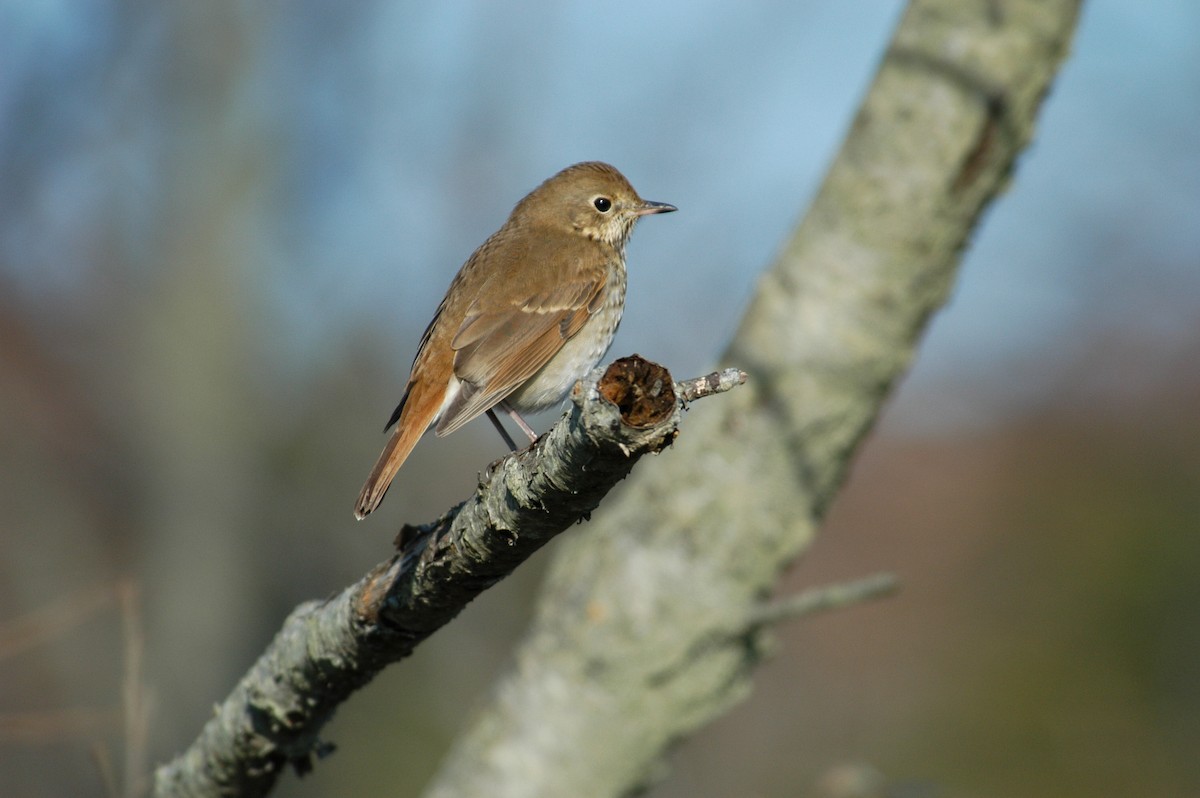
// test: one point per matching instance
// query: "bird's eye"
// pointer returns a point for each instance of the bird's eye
(603, 204)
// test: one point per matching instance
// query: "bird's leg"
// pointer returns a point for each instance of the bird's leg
(520, 421)
(491, 414)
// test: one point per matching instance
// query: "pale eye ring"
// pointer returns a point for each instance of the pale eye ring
(602, 204)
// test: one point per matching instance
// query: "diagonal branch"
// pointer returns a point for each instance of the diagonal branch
(328, 649)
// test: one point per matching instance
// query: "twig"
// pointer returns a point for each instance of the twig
(135, 700)
(103, 764)
(759, 616)
(717, 382)
(820, 599)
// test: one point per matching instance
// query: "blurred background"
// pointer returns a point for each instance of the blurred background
(223, 226)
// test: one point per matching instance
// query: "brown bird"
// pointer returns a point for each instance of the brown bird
(529, 313)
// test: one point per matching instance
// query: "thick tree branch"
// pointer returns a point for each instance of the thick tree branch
(328, 649)
(615, 669)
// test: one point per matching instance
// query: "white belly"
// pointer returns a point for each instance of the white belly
(578, 356)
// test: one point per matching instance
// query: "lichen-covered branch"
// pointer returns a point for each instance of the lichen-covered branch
(616, 666)
(328, 649)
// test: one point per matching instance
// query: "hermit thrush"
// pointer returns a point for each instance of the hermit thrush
(529, 313)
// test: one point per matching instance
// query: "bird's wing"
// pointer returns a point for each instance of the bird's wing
(499, 348)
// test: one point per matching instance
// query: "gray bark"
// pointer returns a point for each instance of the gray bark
(629, 650)
(328, 649)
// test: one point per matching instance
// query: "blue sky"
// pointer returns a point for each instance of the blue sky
(393, 139)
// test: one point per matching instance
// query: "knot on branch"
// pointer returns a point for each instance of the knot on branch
(643, 391)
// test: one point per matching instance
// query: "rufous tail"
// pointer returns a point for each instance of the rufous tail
(419, 410)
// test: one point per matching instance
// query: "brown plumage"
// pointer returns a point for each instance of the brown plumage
(529, 313)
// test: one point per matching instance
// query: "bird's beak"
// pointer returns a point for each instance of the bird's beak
(654, 207)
